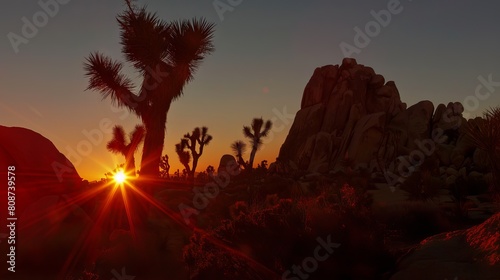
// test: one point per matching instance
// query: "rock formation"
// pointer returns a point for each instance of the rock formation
(344, 112)
(350, 112)
(464, 254)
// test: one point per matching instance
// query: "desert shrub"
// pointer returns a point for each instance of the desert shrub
(279, 233)
(243, 233)
(415, 220)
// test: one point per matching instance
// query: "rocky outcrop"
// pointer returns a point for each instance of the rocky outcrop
(344, 111)
(465, 254)
(350, 112)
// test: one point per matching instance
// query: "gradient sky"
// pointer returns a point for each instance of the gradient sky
(266, 51)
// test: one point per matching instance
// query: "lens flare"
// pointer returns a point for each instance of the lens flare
(120, 177)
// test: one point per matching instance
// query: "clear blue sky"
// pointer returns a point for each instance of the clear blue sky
(266, 52)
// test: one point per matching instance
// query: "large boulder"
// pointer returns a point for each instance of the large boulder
(448, 117)
(413, 123)
(225, 161)
(39, 168)
(45, 187)
(443, 153)
(363, 145)
(464, 254)
(463, 148)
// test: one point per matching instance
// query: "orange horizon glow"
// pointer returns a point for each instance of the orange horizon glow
(96, 165)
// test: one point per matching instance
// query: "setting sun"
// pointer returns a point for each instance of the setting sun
(120, 177)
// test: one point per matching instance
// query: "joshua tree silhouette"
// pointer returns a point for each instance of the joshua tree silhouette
(239, 148)
(164, 167)
(184, 156)
(255, 134)
(166, 54)
(198, 136)
(118, 145)
(210, 170)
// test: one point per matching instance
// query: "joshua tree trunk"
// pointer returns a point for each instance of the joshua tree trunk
(188, 169)
(195, 163)
(252, 156)
(155, 122)
(242, 162)
(130, 163)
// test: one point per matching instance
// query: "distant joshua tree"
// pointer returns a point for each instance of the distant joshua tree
(164, 167)
(262, 168)
(119, 145)
(263, 164)
(239, 148)
(166, 55)
(255, 134)
(184, 156)
(190, 141)
(210, 170)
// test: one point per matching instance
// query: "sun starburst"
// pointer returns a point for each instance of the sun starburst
(120, 177)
